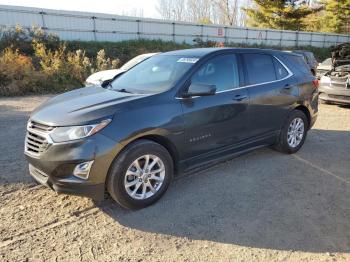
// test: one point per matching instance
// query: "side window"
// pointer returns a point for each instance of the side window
(281, 71)
(221, 71)
(260, 68)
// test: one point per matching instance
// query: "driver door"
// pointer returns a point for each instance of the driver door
(218, 121)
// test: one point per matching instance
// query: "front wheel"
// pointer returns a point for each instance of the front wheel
(140, 175)
(293, 133)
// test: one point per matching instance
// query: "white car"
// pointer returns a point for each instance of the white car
(324, 67)
(99, 77)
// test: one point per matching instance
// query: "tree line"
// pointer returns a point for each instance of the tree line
(305, 15)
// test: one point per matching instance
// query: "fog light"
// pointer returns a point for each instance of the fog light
(82, 170)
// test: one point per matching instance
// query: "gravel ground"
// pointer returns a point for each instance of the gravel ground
(261, 206)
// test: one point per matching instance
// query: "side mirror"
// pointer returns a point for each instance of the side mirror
(200, 90)
(106, 83)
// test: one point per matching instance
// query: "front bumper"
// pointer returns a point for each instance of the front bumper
(334, 95)
(54, 168)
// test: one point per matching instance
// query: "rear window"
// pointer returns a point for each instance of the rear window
(260, 68)
(310, 56)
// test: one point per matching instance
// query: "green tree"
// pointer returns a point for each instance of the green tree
(287, 15)
(337, 16)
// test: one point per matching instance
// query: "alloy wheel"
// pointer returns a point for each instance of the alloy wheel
(295, 132)
(144, 177)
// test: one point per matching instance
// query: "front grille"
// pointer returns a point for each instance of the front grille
(37, 138)
(339, 82)
(40, 127)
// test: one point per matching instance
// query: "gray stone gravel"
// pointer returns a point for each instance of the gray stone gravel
(261, 206)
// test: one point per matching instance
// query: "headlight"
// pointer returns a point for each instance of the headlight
(325, 80)
(63, 134)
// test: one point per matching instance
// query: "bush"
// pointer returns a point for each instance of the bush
(21, 39)
(34, 62)
(125, 50)
(17, 73)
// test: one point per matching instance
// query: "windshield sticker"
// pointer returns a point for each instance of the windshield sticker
(190, 60)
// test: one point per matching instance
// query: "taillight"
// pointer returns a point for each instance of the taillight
(315, 83)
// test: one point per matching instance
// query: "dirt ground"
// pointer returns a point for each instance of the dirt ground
(263, 206)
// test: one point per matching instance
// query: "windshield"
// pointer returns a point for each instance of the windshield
(154, 75)
(134, 61)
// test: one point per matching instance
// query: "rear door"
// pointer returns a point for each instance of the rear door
(272, 92)
(220, 120)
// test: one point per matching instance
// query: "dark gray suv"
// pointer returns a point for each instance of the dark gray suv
(175, 112)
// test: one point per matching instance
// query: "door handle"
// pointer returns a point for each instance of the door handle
(287, 86)
(239, 97)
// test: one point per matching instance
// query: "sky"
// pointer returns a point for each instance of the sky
(120, 7)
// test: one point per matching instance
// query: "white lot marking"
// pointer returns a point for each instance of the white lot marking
(321, 169)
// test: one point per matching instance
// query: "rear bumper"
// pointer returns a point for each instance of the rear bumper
(329, 94)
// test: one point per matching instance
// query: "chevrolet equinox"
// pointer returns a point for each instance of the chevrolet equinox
(175, 112)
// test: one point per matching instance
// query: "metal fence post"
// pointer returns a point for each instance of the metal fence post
(42, 13)
(225, 35)
(94, 27)
(246, 36)
(202, 30)
(311, 34)
(173, 34)
(281, 38)
(297, 38)
(138, 28)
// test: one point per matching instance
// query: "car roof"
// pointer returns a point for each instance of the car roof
(201, 52)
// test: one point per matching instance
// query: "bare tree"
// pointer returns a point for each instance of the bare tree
(172, 9)
(137, 12)
(242, 16)
(199, 11)
(228, 11)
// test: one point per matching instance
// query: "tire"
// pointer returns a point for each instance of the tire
(285, 146)
(132, 160)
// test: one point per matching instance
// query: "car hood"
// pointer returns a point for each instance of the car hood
(81, 106)
(324, 67)
(341, 55)
(98, 77)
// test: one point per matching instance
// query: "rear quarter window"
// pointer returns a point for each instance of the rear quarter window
(299, 63)
(281, 71)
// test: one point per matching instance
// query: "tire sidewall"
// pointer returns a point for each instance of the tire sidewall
(117, 173)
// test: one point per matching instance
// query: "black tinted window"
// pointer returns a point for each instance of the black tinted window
(300, 63)
(221, 71)
(281, 71)
(260, 68)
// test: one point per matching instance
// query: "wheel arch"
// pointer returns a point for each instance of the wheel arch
(161, 140)
(306, 111)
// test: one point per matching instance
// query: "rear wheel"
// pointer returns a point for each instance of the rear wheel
(140, 175)
(293, 133)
